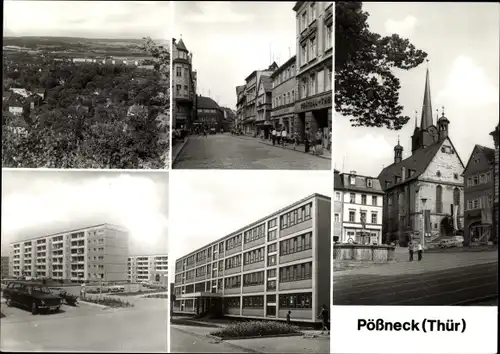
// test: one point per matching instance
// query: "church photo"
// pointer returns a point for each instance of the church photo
(415, 141)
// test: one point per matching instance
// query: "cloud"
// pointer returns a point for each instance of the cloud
(216, 12)
(468, 84)
(404, 27)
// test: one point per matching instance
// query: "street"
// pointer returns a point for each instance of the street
(225, 151)
(142, 328)
(440, 279)
(184, 342)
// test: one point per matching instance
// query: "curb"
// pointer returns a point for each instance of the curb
(239, 348)
(176, 154)
(257, 337)
(287, 148)
(104, 307)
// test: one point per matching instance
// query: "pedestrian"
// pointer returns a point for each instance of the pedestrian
(288, 315)
(295, 140)
(410, 250)
(319, 142)
(420, 250)
(82, 290)
(283, 137)
(330, 141)
(273, 136)
(307, 140)
(325, 318)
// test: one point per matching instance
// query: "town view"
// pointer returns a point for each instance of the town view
(86, 101)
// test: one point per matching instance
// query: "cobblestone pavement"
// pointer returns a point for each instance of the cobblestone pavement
(224, 151)
(460, 278)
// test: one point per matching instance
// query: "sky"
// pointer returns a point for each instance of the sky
(88, 19)
(38, 203)
(462, 43)
(208, 205)
(229, 40)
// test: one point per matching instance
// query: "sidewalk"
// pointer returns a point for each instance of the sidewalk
(177, 148)
(326, 154)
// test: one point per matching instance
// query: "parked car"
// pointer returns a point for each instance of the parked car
(34, 296)
(447, 243)
(116, 288)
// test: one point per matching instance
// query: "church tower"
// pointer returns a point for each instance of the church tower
(442, 123)
(426, 134)
(398, 153)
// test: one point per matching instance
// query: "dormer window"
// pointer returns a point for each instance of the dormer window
(353, 180)
(369, 183)
(438, 173)
(397, 179)
(387, 184)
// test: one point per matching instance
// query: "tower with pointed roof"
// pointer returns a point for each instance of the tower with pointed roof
(398, 153)
(184, 86)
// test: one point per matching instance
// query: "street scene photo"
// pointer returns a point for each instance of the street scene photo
(248, 264)
(84, 86)
(252, 85)
(84, 262)
(416, 154)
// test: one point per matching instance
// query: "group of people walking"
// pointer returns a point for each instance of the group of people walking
(412, 248)
(312, 141)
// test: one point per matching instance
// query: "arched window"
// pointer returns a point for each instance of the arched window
(439, 199)
(456, 196)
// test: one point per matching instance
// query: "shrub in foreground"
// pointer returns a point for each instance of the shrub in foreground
(255, 329)
(108, 301)
(157, 296)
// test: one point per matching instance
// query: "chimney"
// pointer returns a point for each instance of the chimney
(352, 173)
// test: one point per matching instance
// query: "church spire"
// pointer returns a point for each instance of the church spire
(426, 120)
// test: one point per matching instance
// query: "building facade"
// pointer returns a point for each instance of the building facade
(277, 264)
(150, 269)
(362, 208)
(495, 135)
(263, 105)
(184, 86)
(424, 192)
(209, 114)
(240, 106)
(88, 254)
(314, 63)
(4, 267)
(283, 96)
(338, 206)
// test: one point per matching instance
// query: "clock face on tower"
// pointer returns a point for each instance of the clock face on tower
(433, 132)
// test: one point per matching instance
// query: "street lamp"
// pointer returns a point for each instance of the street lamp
(423, 221)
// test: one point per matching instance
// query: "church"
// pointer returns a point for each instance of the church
(424, 192)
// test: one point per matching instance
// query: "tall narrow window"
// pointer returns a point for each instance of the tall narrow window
(439, 199)
(456, 196)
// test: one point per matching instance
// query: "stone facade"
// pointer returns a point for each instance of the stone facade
(184, 86)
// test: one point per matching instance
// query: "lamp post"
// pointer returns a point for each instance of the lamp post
(422, 237)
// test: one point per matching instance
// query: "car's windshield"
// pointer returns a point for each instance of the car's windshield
(41, 289)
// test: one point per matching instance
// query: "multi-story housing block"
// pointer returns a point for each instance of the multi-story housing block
(283, 96)
(313, 106)
(184, 86)
(478, 195)
(150, 269)
(277, 264)
(338, 206)
(362, 208)
(4, 267)
(93, 253)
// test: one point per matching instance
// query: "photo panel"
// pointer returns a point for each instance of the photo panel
(415, 258)
(86, 87)
(252, 85)
(84, 261)
(250, 263)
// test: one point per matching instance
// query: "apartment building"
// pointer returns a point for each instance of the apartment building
(263, 119)
(478, 195)
(4, 267)
(283, 96)
(314, 33)
(362, 207)
(277, 264)
(87, 254)
(151, 269)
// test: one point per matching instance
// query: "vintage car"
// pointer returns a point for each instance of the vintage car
(31, 295)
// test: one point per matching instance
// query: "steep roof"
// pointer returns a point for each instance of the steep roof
(207, 102)
(266, 82)
(337, 181)
(360, 184)
(240, 89)
(426, 121)
(181, 46)
(489, 153)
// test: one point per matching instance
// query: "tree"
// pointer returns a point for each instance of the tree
(365, 86)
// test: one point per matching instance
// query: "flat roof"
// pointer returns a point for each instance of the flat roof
(261, 220)
(68, 231)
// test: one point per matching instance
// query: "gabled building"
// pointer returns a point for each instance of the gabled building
(424, 192)
(240, 105)
(209, 115)
(263, 118)
(184, 87)
(283, 96)
(478, 195)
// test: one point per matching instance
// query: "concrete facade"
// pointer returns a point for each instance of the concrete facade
(151, 269)
(276, 264)
(495, 135)
(314, 63)
(4, 267)
(88, 254)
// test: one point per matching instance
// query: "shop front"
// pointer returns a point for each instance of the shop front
(314, 113)
(284, 118)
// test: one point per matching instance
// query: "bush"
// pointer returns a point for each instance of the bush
(255, 329)
(107, 301)
(157, 296)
